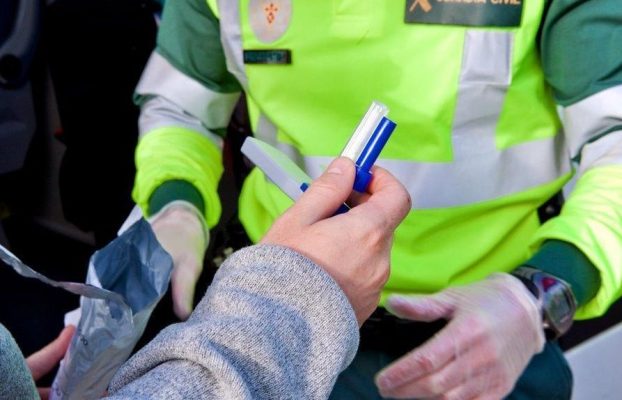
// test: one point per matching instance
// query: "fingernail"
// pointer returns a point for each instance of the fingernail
(337, 166)
(383, 383)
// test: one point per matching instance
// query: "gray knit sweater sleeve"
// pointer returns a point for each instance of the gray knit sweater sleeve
(273, 325)
(15, 378)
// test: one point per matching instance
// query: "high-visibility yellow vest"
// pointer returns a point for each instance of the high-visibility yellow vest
(478, 141)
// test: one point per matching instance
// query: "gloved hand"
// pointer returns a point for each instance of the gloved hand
(181, 230)
(494, 329)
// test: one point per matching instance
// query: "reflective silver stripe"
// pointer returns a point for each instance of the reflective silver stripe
(481, 90)
(267, 131)
(161, 78)
(231, 38)
(159, 112)
(592, 116)
(482, 177)
(486, 57)
(607, 150)
(470, 180)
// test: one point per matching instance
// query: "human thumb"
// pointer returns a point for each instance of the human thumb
(183, 282)
(327, 192)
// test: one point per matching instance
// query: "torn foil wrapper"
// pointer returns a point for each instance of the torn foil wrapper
(125, 281)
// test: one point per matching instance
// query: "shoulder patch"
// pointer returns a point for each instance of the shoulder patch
(269, 19)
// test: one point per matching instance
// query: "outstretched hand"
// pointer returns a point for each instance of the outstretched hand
(182, 233)
(354, 248)
(494, 329)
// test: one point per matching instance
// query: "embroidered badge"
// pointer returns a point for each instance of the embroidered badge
(424, 4)
(269, 19)
(502, 13)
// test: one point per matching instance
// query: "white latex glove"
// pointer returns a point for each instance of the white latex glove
(494, 329)
(181, 230)
(355, 247)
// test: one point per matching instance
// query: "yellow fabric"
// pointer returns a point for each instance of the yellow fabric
(190, 156)
(433, 248)
(590, 220)
(430, 244)
(213, 5)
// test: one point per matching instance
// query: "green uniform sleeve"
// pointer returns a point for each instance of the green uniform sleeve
(175, 163)
(175, 190)
(581, 58)
(189, 38)
(177, 160)
(580, 46)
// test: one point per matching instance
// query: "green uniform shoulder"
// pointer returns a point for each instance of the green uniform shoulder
(189, 38)
(579, 45)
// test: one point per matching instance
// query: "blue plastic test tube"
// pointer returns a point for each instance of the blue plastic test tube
(370, 153)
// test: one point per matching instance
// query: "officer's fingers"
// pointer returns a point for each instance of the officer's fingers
(434, 385)
(425, 308)
(476, 388)
(429, 358)
(183, 281)
(44, 360)
(387, 198)
(326, 193)
(357, 198)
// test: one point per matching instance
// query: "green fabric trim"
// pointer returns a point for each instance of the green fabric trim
(579, 47)
(565, 261)
(590, 220)
(614, 128)
(175, 190)
(174, 153)
(189, 38)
